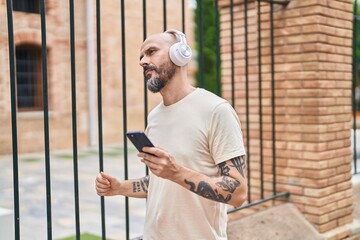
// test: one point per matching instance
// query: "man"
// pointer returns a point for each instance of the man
(198, 165)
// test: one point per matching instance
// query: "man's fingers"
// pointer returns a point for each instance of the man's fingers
(106, 176)
(103, 178)
(153, 150)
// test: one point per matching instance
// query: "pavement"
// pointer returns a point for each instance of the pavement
(32, 194)
(283, 222)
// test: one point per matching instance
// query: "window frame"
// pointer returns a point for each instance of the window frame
(26, 6)
(37, 81)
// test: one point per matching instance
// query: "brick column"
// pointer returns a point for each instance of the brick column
(313, 82)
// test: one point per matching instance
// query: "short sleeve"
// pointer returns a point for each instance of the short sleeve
(225, 136)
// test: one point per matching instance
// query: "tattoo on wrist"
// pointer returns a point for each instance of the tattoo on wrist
(136, 187)
(141, 185)
(145, 183)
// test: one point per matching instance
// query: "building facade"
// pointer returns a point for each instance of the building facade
(27, 40)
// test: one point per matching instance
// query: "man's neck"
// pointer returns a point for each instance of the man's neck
(173, 94)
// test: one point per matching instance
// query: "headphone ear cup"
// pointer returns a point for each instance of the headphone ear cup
(180, 54)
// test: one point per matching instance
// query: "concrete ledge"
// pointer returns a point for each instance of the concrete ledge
(283, 222)
(6, 224)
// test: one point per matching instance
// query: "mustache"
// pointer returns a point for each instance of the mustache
(149, 67)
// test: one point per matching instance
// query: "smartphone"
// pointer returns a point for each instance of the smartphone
(140, 140)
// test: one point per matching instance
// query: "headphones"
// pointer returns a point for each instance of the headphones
(180, 52)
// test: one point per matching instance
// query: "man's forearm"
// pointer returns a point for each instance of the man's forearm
(220, 189)
(224, 188)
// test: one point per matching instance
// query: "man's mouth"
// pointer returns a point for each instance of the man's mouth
(148, 70)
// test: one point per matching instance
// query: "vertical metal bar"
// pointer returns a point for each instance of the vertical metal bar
(201, 43)
(217, 39)
(247, 94)
(46, 116)
(99, 93)
(260, 102)
(13, 119)
(232, 53)
(164, 14)
(123, 55)
(273, 96)
(145, 87)
(354, 68)
(74, 126)
(183, 15)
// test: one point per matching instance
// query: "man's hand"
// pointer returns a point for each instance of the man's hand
(106, 185)
(160, 162)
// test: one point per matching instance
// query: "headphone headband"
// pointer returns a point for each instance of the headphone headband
(180, 36)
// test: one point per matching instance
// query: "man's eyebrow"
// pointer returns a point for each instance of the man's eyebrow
(150, 48)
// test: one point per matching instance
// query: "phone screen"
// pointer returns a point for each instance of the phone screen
(139, 139)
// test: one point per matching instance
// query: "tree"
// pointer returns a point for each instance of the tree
(209, 45)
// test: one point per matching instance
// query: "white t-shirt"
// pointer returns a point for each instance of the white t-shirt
(199, 131)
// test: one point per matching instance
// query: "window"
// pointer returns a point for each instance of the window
(29, 78)
(30, 6)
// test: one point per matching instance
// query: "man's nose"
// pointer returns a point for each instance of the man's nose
(144, 61)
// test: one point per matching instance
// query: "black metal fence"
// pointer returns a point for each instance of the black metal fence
(76, 170)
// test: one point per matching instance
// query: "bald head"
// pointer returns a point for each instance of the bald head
(160, 38)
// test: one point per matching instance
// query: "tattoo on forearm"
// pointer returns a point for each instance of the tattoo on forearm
(228, 184)
(141, 185)
(204, 189)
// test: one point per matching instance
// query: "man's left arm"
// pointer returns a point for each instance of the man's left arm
(230, 186)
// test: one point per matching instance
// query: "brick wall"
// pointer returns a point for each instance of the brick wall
(313, 82)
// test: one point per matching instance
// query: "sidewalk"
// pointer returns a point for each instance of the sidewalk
(32, 191)
(33, 222)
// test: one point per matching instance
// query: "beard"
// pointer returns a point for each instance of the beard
(163, 74)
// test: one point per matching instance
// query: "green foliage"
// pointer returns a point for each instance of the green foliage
(84, 236)
(209, 44)
(356, 47)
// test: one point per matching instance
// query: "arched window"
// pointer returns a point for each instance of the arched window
(29, 78)
(30, 6)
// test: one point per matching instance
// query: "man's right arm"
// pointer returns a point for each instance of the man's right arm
(107, 185)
